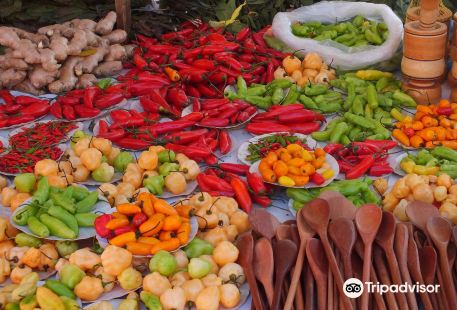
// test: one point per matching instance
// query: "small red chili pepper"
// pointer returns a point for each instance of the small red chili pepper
(108, 100)
(361, 168)
(317, 178)
(332, 148)
(241, 194)
(139, 219)
(225, 142)
(193, 152)
(345, 166)
(139, 61)
(83, 111)
(102, 127)
(148, 104)
(133, 144)
(112, 135)
(242, 34)
(204, 64)
(124, 229)
(239, 169)
(263, 201)
(379, 170)
(185, 137)
(192, 91)
(177, 97)
(256, 183)
(214, 122)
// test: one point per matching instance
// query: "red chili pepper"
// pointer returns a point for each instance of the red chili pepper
(192, 91)
(361, 168)
(216, 37)
(102, 127)
(56, 110)
(185, 137)
(112, 135)
(68, 112)
(234, 168)
(242, 34)
(89, 96)
(26, 100)
(214, 122)
(345, 166)
(383, 144)
(194, 117)
(108, 100)
(12, 108)
(216, 183)
(241, 194)
(165, 127)
(249, 45)
(209, 104)
(256, 183)
(158, 98)
(120, 115)
(225, 142)
(379, 170)
(68, 100)
(211, 144)
(205, 64)
(304, 128)
(20, 119)
(332, 148)
(7, 97)
(263, 201)
(139, 61)
(177, 97)
(83, 111)
(146, 76)
(139, 219)
(143, 88)
(193, 75)
(149, 105)
(299, 116)
(100, 225)
(317, 178)
(444, 111)
(267, 127)
(124, 229)
(361, 148)
(133, 144)
(277, 110)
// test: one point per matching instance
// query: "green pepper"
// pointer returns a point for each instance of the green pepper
(355, 80)
(66, 247)
(44, 208)
(360, 43)
(299, 30)
(345, 140)
(151, 301)
(59, 288)
(198, 247)
(369, 196)
(166, 168)
(322, 135)
(154, 184)
(231, 95)
(68, 192)
(350, 97)
(291, 96)
(66, 217)
(445, 153)
(122, 160)
(12, 306)
(301, 195)
(71, 275)
(29, 302)
(261, 102)
(281, 83)
(382, 83)
(385, 35)
(358, 20)
(256, 91)
(277, 95)
(372, 96)
(22, 239)
(166, 156)
(338, 132)
(359, 120)
(368, 111)
(357, 105)
(354, 132)
(308, 102)
(345, 37)
(64, 202)
(37, 227)
(373, 37)
(423, 157)
(331, 107)
(87, 203)
(340, 84)
(70, 304)
(57, 227)
(20, 217)
(241, 86)
(42, 192)
(85, 219)
(79, 193)
(316, 89)
(450, 170)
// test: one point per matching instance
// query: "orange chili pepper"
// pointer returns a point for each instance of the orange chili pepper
(429, 121)
(172, 74)
(401, 137)
(128, 209)
(451, 134)
(161, 206)
(417, 125)
(307, 169)
(427, 134)
(453, 117)
(122, 239)
(186, 211)
(318, 162)
(440, 133)
(183, 233)
(169, 245)
(452, 144)
(166, 235)
(118, 215)
(153, 225)
(424, 108)
(117, 223)
(285, 156)
(148, 240)
(446, 123)
(419, 115)
(295, 162)
(146, 203)
(280, 168)
(299, 180)
(271, 158)
(139, 248)
(444, 103)
(263, 165)
(319, 152)
(268, 175)
(171, 222)
(416, 141)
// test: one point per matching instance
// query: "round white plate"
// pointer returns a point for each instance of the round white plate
(101, 207)
(79, 126)
(187, 110)
(243, 150)
(330, 160)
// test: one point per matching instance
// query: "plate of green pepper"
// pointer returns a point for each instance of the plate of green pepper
(60, 214)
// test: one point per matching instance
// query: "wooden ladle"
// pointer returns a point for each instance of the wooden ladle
(367, 219)
(306, 233)
(245, 245)
(264, 266)
(317, 215)
(263, 223)
(285, 252)
(385, 239)
(319, 267)
(440, 231)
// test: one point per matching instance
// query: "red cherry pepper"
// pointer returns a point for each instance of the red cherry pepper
(100, 225)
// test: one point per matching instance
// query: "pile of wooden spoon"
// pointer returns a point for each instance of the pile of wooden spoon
(304, 264)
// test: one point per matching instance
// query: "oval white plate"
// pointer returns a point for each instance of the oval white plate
(330, 160)
(187, 110)
(79, 126)
(243, 150)
(101, 207)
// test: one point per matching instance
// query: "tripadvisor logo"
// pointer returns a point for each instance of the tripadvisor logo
(353, 288)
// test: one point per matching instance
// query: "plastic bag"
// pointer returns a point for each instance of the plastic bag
(341, 56)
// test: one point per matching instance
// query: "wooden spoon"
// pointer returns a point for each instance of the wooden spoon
(306, 233)
(285, 252)
(428, 260)
(343, 234)
(319, 267)
(401, 250)
(416, 273)
(263, 223)
(383, 275)
(264, 266)
(419, 212)
(245, 259)
(299, 301)
(367, 219)
(385, 239)
(440, 231)
(339, 205)
(317, 215)
(309, 286)
(283, 232)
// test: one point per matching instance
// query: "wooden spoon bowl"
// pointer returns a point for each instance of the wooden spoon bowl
(263, 223)
(419, 212)
(264, 266)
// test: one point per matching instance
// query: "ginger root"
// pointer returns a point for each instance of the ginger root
(89, 63)
(67, 78)
(86, 80)
(106, 24)
(11, 77)
(40, 77)
(117, 36)
(27, 87)
(7, 61)
(108, 68)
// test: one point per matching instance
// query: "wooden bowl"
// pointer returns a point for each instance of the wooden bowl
(423, 91)
(421, 69)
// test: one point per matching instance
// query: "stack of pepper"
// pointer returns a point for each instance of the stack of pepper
(87, 103)
(226, 179)
(359, 158)
(293, 118)
(20, 109)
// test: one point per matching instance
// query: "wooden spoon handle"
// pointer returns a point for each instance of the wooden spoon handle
(322, 293)
(396, 277)
(449, 288)
(296, 276)
(277, 292)
(383, 275)
(309, 289)
(366, 274)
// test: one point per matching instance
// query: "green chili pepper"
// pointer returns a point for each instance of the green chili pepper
(299, 30)
(241, 85)
(70, 304)
(331, 107)
(301, 195)
(292, 95)
(87, 203)
(381, 83)
(354, 132)
(66, 217)
(345, 140)
(361, 43)
(71, 275)
(368, 111)
(373, 37)
(151, 301)
(231, 95)
(372, 96)
(37, 227)
(64, 202)
(445, 153)
(404, 99)
(20, 217)
(86, 219)
(261, 102)
(68, 192)
(359, 120)
(59, 288)
(315, 89)
(321, 135)
(340, 84)
(42, 192)
(256, 91)
(277, 95)
(308, 102)
(345, 37)
(358, 20)
(350, 97)
(57, 227)
(281, 83)
(338, 132)
(357, 105)
(79, 193)
(385, 35)
(369, 196)
(22, 239)
(355, 80)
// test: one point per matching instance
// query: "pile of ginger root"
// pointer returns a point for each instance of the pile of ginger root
(62, 57)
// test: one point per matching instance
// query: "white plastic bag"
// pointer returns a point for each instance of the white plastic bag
(341, 56)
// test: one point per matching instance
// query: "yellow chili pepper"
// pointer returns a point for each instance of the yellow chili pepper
(424, 170)
(407, 165)
(327, 174)
(286, 181)
(397, 115)
(372, 75)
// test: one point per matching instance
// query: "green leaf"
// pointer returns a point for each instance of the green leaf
(104, 83)
(224, 9)
(9, 7)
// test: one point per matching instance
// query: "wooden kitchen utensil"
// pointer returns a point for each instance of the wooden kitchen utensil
(339, 205)
(264, 266)
(319, 267)
(343, 234)
(285, 252)
(383, 275)
(263, 223)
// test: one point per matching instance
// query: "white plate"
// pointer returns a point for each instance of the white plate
(79, 126)
(395, 164)
(190, 187)
(193, 232)
(243, 150)
(401, 146)
(187, 110)
(329, 159)
(101, 207)
(91, 182)
(114, 303)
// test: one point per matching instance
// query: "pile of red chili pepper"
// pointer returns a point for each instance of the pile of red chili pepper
(221, 112)
(235, 180)
(359, 158)
(43, 134)
(292, 118)
(86, 103)
(20, 109)
(18, 161)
